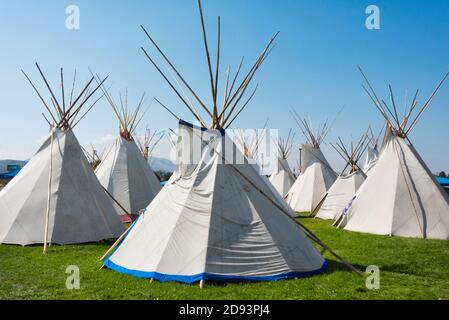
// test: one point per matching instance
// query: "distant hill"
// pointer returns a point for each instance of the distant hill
(161, 164)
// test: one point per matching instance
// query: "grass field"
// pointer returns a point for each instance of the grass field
(409, 269)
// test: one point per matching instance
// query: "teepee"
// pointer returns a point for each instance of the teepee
(316, 175)
(347, 183)
(249, 142)
(56, 198)
(124, 171)
(94, 157)
(401, 197)
(372, 154)
(216, 218)
(282, 177)
(148, 142)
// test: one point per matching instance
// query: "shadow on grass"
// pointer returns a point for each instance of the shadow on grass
(334, 266)
(413, 269)
(339, 266)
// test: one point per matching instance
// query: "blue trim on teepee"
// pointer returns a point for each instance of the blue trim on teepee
(187, 124)
(210, 276)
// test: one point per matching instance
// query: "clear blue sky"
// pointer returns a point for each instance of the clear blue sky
(312, 68)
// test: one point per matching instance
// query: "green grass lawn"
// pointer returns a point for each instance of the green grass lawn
(409, 269)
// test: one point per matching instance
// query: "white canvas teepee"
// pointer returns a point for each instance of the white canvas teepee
(94, 157)
(148, 142)
(56, 197)
(124, 171)
(282, 177)
(210, 222)
(249, 142)
(412, 203)
(347, 183)
(316, 175)
(249, 146)
(372, 153)
(216, 218)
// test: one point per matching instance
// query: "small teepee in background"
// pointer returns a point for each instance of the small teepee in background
(148, 142)
(124, 172)
(172, 138)
(250, 144)
(216, 219)
(56, 197)
(347, 183)
(401, 197)
(316, 176)
(372, 153)
(282, 177)
(94, 157)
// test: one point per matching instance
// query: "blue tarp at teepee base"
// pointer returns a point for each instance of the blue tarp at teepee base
(443, 181)
(9, 175)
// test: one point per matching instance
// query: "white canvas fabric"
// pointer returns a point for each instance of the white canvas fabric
(339, 195)
(127, 176)
(412, 203)
(80, 211)
(371, 159)
(282, 177)
(209, 222)
(314, 181)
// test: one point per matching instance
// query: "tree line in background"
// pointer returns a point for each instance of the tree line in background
(443, 174)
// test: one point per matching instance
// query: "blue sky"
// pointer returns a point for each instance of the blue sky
(311, 69)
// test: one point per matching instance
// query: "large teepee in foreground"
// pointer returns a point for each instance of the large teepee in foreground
(347, 183)
(282, 177)
(316, 176)
(56, 197)
(216, 218)
(124, 171)
(401, 197)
